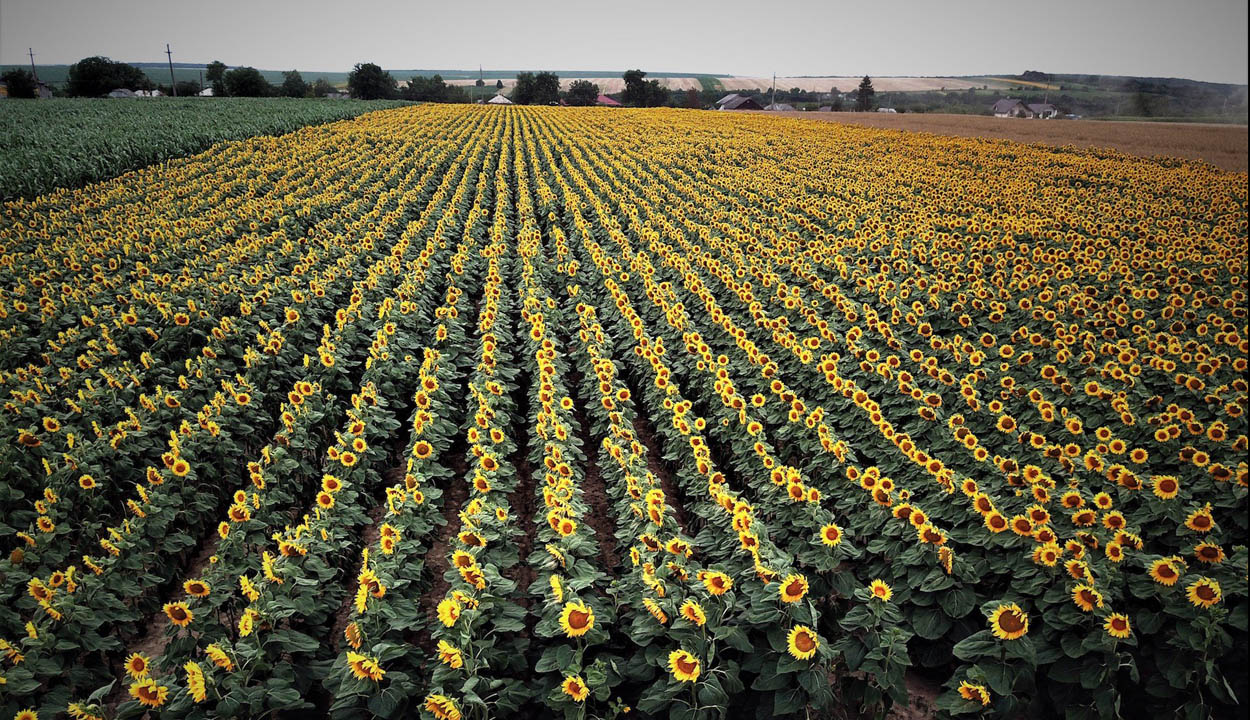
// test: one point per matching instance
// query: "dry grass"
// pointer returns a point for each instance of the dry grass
(1221, 145)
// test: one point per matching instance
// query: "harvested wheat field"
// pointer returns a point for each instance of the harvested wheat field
(1221, 145)
(849, 83)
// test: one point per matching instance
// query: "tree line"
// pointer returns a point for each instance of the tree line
(97, 76)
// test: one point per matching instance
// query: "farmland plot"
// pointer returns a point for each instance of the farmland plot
(498, 412)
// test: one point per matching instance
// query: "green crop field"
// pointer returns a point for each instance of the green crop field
(67, 143)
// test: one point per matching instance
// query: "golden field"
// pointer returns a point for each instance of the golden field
(471, 412)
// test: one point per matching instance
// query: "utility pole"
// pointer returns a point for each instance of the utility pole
(32, 67)
(173, 85)
(774, 102)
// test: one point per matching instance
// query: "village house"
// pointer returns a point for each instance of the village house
(1044, 111)
(1011, 107)
(734, 101)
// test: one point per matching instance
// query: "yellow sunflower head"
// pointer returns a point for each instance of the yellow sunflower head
(1009, 622)
(684, 666)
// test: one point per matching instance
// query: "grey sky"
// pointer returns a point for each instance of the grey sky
(1199, 39)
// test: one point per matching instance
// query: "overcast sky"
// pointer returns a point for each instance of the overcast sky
(1198, 39)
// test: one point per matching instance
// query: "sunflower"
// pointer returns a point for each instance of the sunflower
(1200, 520)
(219, 657)
(684, 666)
(1009, 622)
(180, 467)
(365, 668)
(195, 681)
(1209, 553)
(1165, 487)
(86, 482)
(996, 521)
(448, 611)
(831, 535)
(179, 614)
(1204, 592)
(575, 688)
(656, 611)
(449, 655)
(1117, 626)
(1164, 572)
(138, 666)
(147, 692)
(880, 590)
(577, 619)
(693, 612)
(196, 588)
(793, 588)
(247, 622)
(442, 707)
(718, 583)
(1086, 597)
(352, 635)
(325, 500)
(974, 693)
(27, 714)
(802, 642)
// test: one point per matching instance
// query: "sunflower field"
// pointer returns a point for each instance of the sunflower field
(459, 412)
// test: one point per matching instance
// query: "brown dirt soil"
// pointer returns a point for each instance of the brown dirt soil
(921, 700)
(438, 559)
(368, 536)
(658, 468)
(596, 495)
(1224, 146)
(524, 505)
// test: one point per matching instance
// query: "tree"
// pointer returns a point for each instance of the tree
(837, 103)
(657, 94)
(536, 89)
(693, 99)
(863, 95)
(322, 87)
(215, 74)
(640, 92)
(96, 76)
(582, 92)
(635, 94)
(188, 88)
(431, 89)
(21, 84)
(246, 82)
(499, 84)
(293, 85)
(370, 82)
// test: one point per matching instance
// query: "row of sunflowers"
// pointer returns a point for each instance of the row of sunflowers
(487, 412)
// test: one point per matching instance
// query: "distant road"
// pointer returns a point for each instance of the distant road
(1221, 145)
